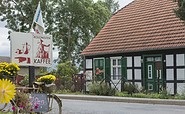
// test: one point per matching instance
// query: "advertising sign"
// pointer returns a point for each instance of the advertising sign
(29, 49)
(42, 50)
(21, 48)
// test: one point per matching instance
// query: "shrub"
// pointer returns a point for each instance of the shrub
(25, 81)
(64, 74)
(102, 89)
(130, 88)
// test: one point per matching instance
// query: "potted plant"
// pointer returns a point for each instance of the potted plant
(48, 82)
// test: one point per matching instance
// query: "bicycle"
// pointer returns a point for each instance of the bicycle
(54, 104)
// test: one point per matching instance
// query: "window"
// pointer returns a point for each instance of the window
(150, 72)
(149, 59)
(98, 68)
(116, 68)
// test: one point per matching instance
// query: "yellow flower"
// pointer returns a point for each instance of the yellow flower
(48, 79)
(7, 91)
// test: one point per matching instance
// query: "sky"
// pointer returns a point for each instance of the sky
(5, 43)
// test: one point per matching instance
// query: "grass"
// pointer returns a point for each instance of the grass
(68, 92)
(162, 95)
(150, 95)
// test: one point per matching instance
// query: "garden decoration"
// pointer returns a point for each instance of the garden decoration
(47, 83)
(20, 101)
(7, 91)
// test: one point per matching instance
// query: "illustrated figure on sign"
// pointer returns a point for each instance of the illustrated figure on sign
(25, 49)
(22, 52)
(43, 50)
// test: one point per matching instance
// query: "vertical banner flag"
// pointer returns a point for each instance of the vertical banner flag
(38, 24)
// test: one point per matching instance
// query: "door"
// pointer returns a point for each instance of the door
(153, 74)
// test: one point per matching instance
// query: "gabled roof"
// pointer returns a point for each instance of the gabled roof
(143, 25)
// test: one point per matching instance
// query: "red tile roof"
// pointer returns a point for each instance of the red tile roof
(143, 25)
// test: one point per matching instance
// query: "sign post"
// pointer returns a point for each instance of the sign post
(29, 49)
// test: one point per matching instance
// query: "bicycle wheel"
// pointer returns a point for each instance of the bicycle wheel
(55, 105)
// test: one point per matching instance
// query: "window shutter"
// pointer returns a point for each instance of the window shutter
(124, 67)
(107, 70)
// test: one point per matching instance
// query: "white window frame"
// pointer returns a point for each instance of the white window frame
(115, 66)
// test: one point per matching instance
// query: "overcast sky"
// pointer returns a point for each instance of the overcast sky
(5, 44)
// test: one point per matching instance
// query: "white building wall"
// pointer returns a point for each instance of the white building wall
(137, 74)
(169, 60)
(180, 60)
(180, 74)
(129, 61)
(129, 74)
(170, 88)
(169, 74)
(139, 85)
(180, 88)
(137, 61)
(88, 84)
(88, 63)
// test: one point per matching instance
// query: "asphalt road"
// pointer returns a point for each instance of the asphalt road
(100, 107)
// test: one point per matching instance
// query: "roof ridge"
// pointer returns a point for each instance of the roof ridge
(123, 7)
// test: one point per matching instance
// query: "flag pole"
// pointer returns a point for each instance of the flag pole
(34, 18)
(32, 68)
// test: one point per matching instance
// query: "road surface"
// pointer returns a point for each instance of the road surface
(99, 107)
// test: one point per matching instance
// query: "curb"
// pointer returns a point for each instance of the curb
(122, 99)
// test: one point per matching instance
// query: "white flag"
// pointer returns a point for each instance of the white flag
(39, 27)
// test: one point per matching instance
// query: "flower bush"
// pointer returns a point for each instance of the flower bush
(8, 69)
(24, 104)
(47, 79)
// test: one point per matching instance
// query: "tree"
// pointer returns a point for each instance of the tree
(180, 11)
(111, 5)
(19, 14)
(73, 23)
(64, 73)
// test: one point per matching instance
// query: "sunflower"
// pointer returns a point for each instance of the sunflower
(7, 91)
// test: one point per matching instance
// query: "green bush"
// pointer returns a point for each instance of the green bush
(25, 81)
(102, 89)
(130, 88)
(64, 74)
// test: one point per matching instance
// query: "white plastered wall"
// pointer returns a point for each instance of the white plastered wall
(88, 63)
(137, 74)
(129, 74)
(137, 61)
(170, 88)
(129, 61)
(169, 60)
